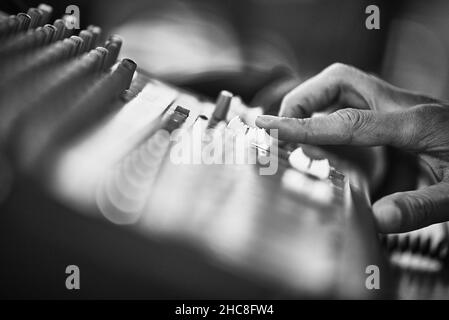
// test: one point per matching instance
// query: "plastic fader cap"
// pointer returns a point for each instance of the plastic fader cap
(259, 137)
(237, 126)
(254, 135)
(320, 168)
(46, 12)
(221, 107)
(317, 168)
(299, 160)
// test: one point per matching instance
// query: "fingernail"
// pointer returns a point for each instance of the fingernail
(388, 217)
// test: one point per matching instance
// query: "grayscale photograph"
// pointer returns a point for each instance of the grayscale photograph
(227, 159)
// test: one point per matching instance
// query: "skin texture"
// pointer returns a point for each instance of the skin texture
(371, 112)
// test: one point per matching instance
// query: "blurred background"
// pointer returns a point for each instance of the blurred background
(178, 40)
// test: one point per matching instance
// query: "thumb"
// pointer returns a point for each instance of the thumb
(406, 211)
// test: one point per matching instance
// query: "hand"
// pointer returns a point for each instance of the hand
(379, 114)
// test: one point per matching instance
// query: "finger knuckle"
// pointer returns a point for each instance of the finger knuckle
(337, 68)
(355, 117)
(420, 208)
(341, 70)
(426, 126)
(307, 129)
(352, 120)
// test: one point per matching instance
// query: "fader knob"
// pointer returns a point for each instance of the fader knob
(221, 107)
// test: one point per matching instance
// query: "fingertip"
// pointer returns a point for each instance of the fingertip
(388, 217)
(264, 121)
